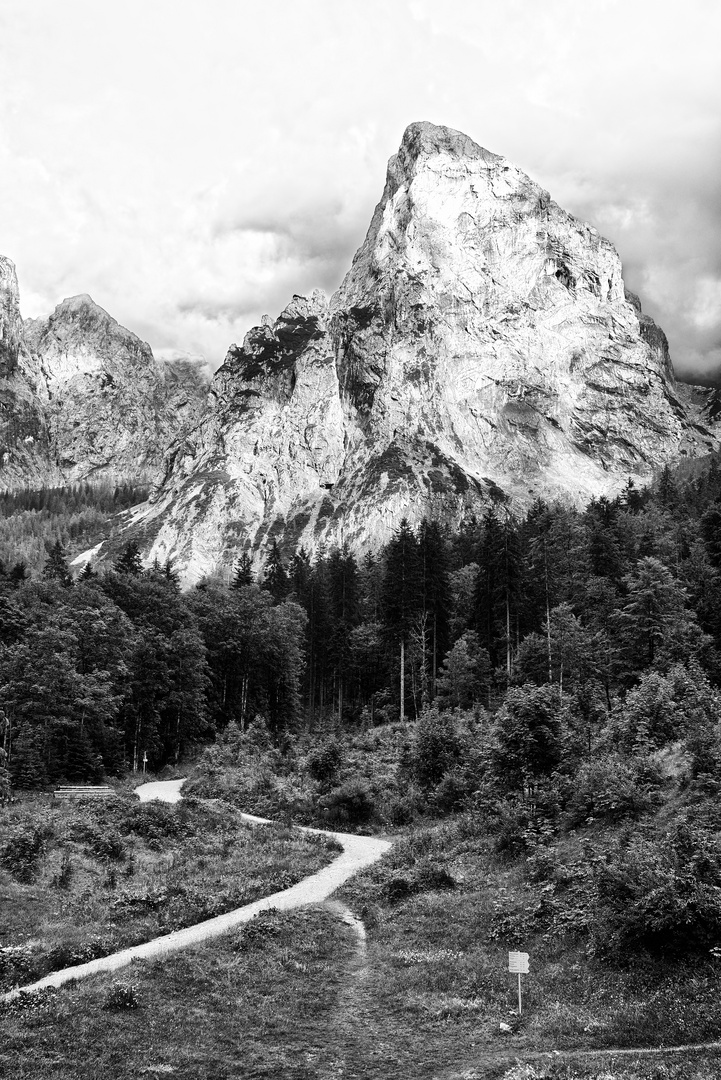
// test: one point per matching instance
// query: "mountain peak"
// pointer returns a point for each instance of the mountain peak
(424, 139)
(480, 347)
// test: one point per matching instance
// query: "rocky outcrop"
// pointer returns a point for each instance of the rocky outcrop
(25, 458)
(112, 408)
(82, 398)
(482, 345)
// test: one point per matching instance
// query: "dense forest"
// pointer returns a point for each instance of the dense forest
(79, 517)
(560, 617)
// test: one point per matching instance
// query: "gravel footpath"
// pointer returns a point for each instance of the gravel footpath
(358, 852)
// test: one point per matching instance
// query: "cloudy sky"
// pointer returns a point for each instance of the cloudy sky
(193, 163)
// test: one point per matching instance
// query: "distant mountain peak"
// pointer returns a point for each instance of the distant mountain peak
(481, 346)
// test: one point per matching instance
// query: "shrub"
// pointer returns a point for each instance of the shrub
(120, 996)
(154, 820)
(21, 853)
(660, 894)
(34, 1002)
(351, 803)
(435, 748)
(63, 878)
(256, 933)
(324, 761)
(608, 788)
(108, 846)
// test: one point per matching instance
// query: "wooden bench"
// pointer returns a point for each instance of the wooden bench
(80, 792)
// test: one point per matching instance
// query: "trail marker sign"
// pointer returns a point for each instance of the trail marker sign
(518, 964)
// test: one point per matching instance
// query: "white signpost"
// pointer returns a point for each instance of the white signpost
(518, 963)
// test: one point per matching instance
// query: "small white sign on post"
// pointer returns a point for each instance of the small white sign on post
(518, 964)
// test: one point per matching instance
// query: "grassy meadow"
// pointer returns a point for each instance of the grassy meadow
(295, 996)
(82, 879)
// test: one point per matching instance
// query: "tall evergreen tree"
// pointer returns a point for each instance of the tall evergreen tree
(56, 568)
(275, 575)
(402, 593)
(243, 574)
(130, 562)
(434, 557)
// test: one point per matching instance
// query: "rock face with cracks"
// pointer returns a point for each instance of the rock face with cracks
(112, 408)
(82, 398)
(482, 345)
(25, 457)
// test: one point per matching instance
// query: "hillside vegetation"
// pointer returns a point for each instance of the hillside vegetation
(530, 705)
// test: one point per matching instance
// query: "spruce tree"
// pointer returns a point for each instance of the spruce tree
(243, 574)
(402, 593)
(130, 561)
(275, 576)
(56, 568)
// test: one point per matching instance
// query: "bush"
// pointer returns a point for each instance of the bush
(256, 933)
(155, 820)
(350, 804)
(608, 788)
(324, 761)
(435, 748)
(21, 853)
(64, 877)
(660, 894)
(110, 846)
(121, 996)
(30, 1002)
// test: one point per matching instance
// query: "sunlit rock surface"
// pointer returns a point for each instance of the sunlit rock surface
(112, 408)
(481, 343)
(25, 458)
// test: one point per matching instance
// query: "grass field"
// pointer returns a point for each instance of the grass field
(293, 996)
(81, 879)
(298, 996)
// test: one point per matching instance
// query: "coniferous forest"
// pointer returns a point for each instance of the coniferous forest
(561, 622)
(550, 683)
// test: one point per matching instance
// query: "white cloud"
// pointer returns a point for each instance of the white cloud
(191, 165)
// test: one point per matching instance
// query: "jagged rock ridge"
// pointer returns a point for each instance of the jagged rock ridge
(112, 408)
(481, 343)
(25, 459)
(83, 398)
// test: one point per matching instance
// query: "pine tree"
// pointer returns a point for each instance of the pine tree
(243, 575)
(88, 573)
(56, 568)
(434, 555)
(402, 593)
(130, 561)
(275, 576)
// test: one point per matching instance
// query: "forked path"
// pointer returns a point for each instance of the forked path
(358, 852)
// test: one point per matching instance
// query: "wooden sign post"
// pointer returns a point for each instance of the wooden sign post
(518, 963)
(145, 759)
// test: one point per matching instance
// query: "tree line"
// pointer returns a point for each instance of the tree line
(584, 603)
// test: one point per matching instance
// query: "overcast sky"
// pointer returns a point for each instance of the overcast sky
(193, 163)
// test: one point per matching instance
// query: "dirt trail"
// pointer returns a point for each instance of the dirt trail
(358, 852)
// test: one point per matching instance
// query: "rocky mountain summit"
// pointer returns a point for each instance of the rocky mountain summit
(25, 458)
(482, 345)
(112, 407)
(83, 398)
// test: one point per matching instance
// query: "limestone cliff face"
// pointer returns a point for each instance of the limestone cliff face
(25, 458)
(112, 408)
(82, 398)
(482, 342)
